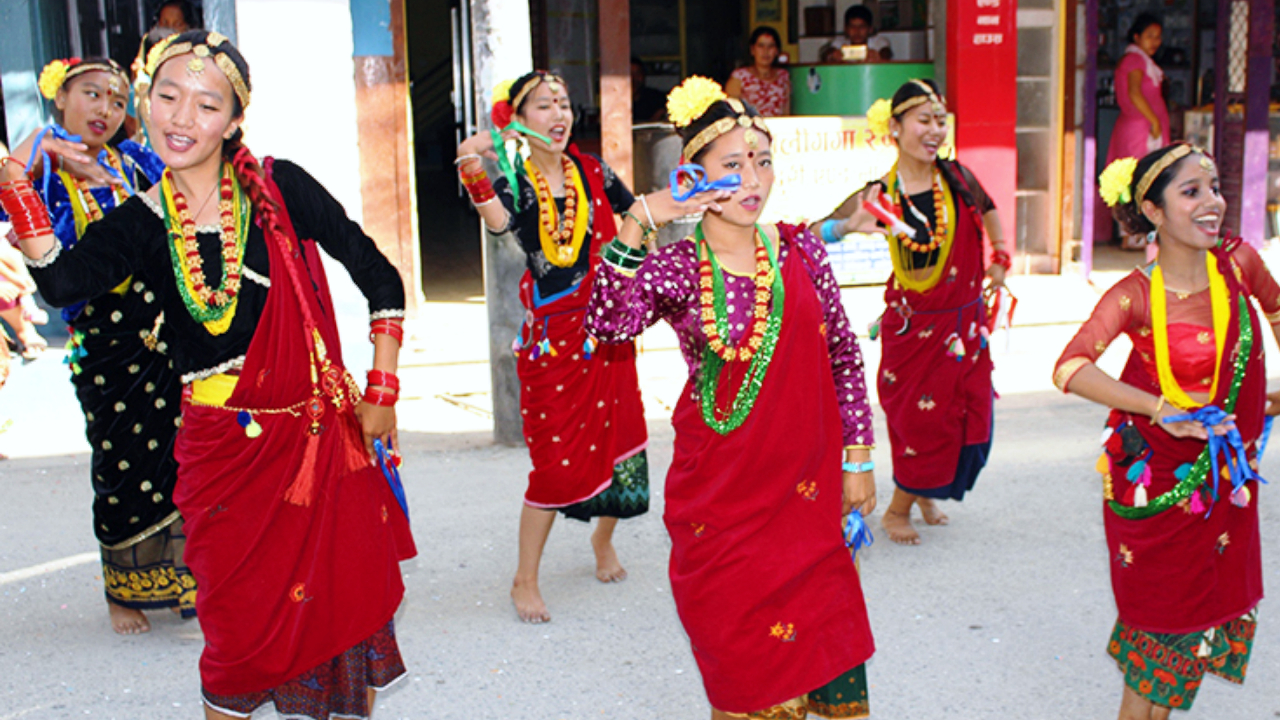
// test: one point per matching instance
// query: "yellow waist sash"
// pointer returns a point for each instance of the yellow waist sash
(215, 390)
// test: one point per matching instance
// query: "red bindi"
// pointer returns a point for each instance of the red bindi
(751, 154)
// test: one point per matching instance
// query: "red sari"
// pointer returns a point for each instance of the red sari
(582, 412)
(294, 536)
(934, 404)
(760, 575)
(1179, 571)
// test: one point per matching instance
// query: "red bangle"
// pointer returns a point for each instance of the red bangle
(477, 185)
(382, 378)
(394, 328)
(16, 161)
(26, 210)
(380, 398)
(1001, 258)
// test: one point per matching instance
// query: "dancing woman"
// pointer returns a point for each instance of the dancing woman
(292, 531)
(935, 373)
(1181, 513)
(762, 581)
(120, 361)
(580, 402)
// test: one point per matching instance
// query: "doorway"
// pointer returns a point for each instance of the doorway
(448, 227)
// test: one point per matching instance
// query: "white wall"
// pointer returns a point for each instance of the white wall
(303, 107)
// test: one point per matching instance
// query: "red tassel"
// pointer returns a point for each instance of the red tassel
(303, 486)
(357, 457)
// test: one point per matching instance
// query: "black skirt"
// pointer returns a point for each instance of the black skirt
(131, 400)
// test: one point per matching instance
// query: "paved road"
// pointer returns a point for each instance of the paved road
(1003, 614)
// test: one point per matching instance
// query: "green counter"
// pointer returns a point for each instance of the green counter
(849, 89)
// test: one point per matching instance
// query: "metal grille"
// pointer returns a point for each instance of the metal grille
(1238, 47)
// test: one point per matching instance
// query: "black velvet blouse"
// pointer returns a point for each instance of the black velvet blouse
(552, 279)
(133, 241)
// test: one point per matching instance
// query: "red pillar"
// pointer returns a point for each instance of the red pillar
(982, 91)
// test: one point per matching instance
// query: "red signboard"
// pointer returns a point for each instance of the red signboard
(982, 91)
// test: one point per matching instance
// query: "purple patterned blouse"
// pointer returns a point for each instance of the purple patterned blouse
(665, 287)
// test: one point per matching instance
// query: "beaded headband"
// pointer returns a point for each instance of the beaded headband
(167, 49)
(1174, 155)
(56, 74)
(553, 81)
(724, 125)
(939, 106)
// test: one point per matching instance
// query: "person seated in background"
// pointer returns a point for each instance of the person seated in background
(859, 30)
(764, 83)
(647, 104)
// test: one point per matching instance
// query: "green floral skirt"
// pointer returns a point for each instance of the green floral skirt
(1168, 668)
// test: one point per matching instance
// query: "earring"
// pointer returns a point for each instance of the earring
(1151, 237)
(894, 133)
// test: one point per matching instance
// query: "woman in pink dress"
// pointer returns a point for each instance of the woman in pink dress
(1144, 120)
(763, 83)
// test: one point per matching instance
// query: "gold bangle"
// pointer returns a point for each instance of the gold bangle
(859, 447)
(1159, 406)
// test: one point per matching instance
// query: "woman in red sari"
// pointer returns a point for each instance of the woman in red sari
(580, 403)
(1181, 514)
(935, 373)
(763, 583)
(293, 534)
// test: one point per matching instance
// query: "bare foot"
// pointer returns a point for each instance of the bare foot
(608, 569)
(898, 527)
(933, 515)
(528, 600)
(127, 621)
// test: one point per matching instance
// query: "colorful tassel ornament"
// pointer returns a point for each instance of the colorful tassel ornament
(1197, 505)
(1240, 498)
(955, 347)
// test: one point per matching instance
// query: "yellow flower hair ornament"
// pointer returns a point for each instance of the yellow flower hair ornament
(1116, 180)
(54, 75)
(878, 116)
(502, 91)
(691, 98)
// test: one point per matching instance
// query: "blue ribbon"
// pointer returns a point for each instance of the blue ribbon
(1229, 445)
(698, 174)
(61, 133)
(856, 533)
(392, 474)
(1266, 435)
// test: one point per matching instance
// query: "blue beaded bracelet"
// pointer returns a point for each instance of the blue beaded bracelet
(862, 467)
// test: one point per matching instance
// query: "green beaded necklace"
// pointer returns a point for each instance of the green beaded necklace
(713, 364)
(1200, 470)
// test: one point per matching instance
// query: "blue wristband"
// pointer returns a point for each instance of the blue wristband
(861, 467)
(828, 231)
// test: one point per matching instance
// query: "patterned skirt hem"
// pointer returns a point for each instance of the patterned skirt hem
(150, 574)
(337, 688)
(294, 716)
(844, 698)
(1168, 668)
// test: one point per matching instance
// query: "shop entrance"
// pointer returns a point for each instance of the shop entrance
(1215, 62)
(448, 227)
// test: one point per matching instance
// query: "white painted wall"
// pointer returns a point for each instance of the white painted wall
(303, 107)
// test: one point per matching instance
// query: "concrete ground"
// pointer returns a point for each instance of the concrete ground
(1003, 614)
